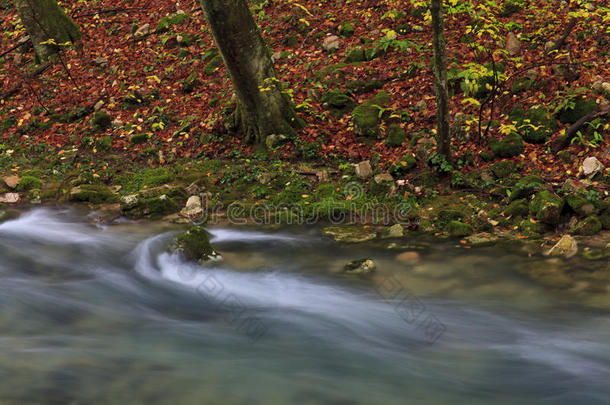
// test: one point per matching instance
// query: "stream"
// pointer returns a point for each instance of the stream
(94, 314)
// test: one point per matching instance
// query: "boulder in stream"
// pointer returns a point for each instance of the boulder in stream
(194, 244)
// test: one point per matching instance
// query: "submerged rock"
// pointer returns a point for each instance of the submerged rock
(408, 257)
(349, 234)
(361, 266)
(566, 247)
(195, 245)
(481, 240)
(395, 231)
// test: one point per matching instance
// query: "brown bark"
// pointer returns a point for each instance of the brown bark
(440, 79)
(263, 108)
(48, 26)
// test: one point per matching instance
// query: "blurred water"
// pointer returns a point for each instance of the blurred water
(103, 315)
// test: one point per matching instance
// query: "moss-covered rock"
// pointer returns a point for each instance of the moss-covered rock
(366, 115)
(576, 110)
(154, 208)
(359, 86)
(579, 204)
(459, 229)
(166, 23)
(445, 216)
(546, 207)
(100, 121)
(531, 229)
(195, 245)
(360, 267)
(156, 177)
(93, 193)
(346, 30)
(404, 165)
(535, 125)
(588, 226)
(338, 101)
(396, 136)
(517, 208)
(27, 183)
(507, 147)
(355, 55)
(503, 169)
(526, 187)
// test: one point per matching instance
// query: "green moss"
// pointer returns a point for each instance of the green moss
(359, 86)
(346, 30)
(396, 136)
(404, 165)
(336, 99)
(156, 177)
(291, 40)
(445, 216)
(154, 208)
(138, 139)
(104, 143)
(212, 65)
(459, 229)
(526, 187)
(535, 125)
(507, 147)
(195, 245)
(578, 109)
(92, 193)
(166, 23)
(355, 55)
(100, 121)
(546, 207)
(589, 226)
(517, 208)
(486, 156)
(29, 183)
(366, 115)
(531, 229)
(503, 169)
(578, 203)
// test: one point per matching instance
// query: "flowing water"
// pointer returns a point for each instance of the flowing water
(103, 315)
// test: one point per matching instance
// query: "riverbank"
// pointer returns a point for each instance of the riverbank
(357, 202)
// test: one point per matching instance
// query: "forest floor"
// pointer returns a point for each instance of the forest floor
(140, 103)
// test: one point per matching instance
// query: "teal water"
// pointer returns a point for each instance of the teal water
(103, 315)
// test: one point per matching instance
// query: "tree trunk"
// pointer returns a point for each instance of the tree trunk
(46, 23)
(440, 79)
(263, 108)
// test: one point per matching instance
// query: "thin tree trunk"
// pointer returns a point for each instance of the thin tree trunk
(440, 79)
(48, 26)
(263, 108)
